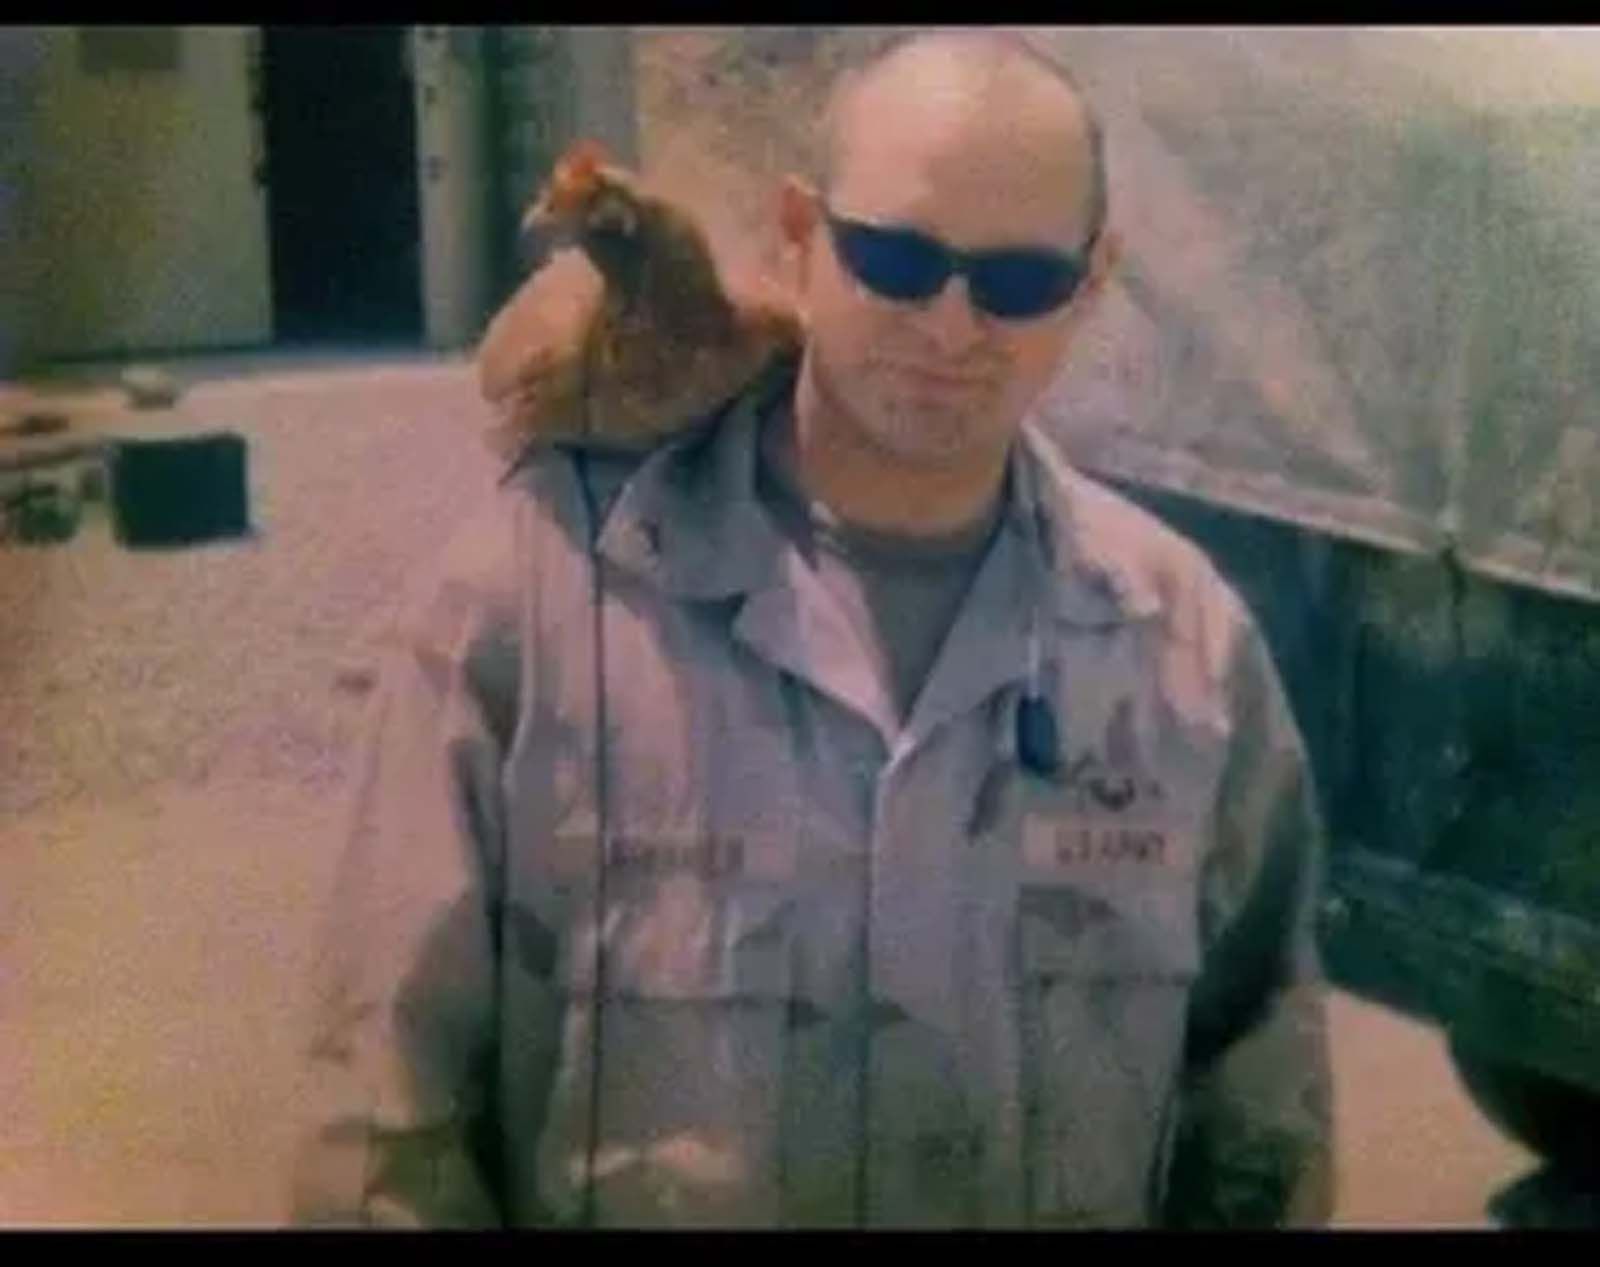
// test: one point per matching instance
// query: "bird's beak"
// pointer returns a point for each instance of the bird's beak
(539, 233)
(535, 218)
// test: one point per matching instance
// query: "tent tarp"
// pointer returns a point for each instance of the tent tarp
(1359, 285)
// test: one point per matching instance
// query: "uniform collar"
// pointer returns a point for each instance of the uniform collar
(690, 522)
(689, 519)
(1055, 566)
(1085, 539)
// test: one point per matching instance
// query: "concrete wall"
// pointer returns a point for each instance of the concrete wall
(548, 86)
(21, 50)
(143, 222)
(140, 227)
(454, 184)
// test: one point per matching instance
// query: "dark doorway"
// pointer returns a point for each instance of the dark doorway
(341, 171)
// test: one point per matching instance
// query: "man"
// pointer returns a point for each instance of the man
(959, 850)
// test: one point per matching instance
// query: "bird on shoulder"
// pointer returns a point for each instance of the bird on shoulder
(627, 332)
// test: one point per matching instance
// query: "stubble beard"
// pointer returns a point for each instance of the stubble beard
(891, 424)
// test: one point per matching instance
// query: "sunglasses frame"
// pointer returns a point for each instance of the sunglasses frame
(957, 262)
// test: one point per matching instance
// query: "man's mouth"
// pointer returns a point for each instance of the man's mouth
(938, 380)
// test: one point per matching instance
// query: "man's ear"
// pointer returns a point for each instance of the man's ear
(799, 209)
(1104, 261)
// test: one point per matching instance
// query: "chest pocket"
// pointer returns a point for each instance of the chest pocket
(694, 995)
(687, 916)
(1101, 891)
(1108, 949)
(1104, 920)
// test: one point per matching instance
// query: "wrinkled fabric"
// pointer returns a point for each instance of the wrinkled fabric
(1359, 284)
(835, 970)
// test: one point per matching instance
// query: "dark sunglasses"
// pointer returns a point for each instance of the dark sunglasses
(1013, 283)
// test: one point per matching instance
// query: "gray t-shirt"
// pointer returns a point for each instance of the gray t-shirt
(900, 593)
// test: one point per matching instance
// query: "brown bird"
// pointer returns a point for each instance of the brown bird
(629, 332)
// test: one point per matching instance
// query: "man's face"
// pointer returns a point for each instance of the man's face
(938, 382)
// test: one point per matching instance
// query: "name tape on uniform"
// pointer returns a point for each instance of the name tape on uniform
(709, 855)
(1072, 842)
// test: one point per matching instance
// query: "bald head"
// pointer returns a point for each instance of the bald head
(993, 84)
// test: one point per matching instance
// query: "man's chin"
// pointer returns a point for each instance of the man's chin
(928, 431)
(925, 434)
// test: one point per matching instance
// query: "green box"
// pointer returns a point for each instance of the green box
(181, 491)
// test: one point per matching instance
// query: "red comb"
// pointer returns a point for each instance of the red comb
(584, 158)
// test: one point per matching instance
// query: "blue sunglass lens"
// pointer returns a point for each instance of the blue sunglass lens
(905, 266)
(894, 263)
(1024, 283)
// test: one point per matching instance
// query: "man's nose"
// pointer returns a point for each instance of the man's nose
(949, 319)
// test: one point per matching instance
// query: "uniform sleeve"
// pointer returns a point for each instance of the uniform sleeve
(398, 1084)
(1253, 1139)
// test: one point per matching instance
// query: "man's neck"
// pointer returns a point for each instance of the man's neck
(831, 459)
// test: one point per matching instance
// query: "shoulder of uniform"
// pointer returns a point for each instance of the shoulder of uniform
(1152, 568)
(1149, 573)
(475, 579)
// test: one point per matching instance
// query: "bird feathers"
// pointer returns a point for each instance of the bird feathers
(628, 334)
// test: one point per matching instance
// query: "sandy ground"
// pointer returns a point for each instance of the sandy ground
(156, 950)
(175, 751)
(120, 669)
(174, 742)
